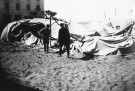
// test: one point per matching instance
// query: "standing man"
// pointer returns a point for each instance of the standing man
(45, 33)
(64, 38)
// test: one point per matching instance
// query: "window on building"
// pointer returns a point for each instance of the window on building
(27, 6)
(17, 6)
(6, 5)
(37, 7)
(18, 17)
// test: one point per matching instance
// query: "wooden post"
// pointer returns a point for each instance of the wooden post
(50, 30)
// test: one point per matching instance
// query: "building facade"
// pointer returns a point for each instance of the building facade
(11, 10)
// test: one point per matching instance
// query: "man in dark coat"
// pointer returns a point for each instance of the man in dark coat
(64, 38)
(45, 33)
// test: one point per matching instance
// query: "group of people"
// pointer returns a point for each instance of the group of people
(63, 38)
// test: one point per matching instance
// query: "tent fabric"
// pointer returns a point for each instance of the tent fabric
(122, 22)
(54, 26)
(101, 29)
(106, 28)
(107, 41)
(104, 45)
(31, 40)
(79, 29)
(92, 29)
(9, 28)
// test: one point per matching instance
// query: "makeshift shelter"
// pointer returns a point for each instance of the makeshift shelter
(105, 45)
(18, 29)
(109, 41)
(54, 25)
(122, 22)
(6, 33)
(79, 29)
(97, 38)
(102, 28)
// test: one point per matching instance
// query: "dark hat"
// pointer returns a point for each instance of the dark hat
(61, 24)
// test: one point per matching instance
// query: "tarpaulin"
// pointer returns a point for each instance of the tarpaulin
(9, 28)
(105, 45)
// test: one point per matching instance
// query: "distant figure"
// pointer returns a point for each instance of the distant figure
(118, 27)
(64, 38)
(45, 33)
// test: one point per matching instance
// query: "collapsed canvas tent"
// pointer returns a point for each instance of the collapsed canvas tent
(19, 29)
(54, 25)
(97, 38)
(5, 36)
(109, 42)
(106, 28)
(92, 29)
(105, 45)
(79, 29)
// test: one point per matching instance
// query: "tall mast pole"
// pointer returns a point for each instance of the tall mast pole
(50, 30)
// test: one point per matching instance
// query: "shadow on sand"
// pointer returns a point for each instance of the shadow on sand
(7, 84)
(87, 57)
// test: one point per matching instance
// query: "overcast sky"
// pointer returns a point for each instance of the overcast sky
(82, 10)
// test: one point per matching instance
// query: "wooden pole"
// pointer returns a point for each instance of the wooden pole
(50, 30)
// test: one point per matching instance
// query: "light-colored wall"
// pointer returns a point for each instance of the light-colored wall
(12, 8)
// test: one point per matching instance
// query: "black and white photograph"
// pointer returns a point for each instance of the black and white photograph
(67, 45)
